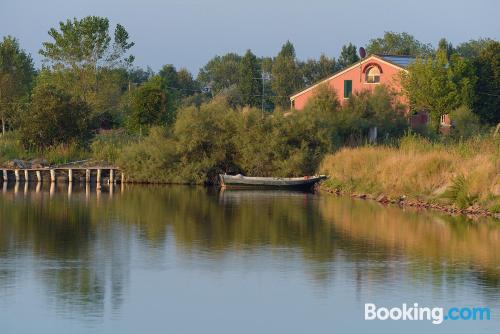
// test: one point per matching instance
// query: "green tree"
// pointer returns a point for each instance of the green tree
(84, 56)
(348, 56)
(398, 44)
(149, 107)
(16, 76)
(487, 89)
(313, 70)
(446, 46)
(285, 75)
(220, 73)
(473, 47)
(249, 84)
(54, 117)
(439, 86)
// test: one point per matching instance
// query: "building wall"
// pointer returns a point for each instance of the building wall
(388, 77)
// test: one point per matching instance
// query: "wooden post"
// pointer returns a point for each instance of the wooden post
(52, 188)
(38, 176)
(99, 178)
(123, 178)
(87, 176)
(5, 175)
(52, 175)
(38, 187)
(16, 174)
(70, 175)
(26, 176)
(111, 177)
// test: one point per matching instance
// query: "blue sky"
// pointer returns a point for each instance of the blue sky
(187, 33)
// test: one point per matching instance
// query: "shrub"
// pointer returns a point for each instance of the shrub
(54, 118)
(106, 146)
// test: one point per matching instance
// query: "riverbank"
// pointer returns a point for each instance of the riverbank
(459, 178)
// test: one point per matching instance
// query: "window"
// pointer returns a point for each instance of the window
(373, 75)
(347, 89)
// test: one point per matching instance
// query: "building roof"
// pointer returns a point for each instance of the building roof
(403, 61)
(396, 61)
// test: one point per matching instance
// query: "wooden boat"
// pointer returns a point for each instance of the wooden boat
(243, 182)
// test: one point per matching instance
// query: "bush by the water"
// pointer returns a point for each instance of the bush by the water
(217, 139)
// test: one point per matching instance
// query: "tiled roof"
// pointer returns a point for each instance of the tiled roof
(402, 61)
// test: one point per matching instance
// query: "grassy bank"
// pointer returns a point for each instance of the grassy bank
(462, 174)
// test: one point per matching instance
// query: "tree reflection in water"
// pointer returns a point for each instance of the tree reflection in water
(81, 242)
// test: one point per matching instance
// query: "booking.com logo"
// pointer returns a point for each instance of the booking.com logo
(435, 314)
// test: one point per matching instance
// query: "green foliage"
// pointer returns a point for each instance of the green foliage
(458, 193)
(63, 153)
(445, 46)
(149, 107)
(348, 56)
(465, 123)
(152, 159)
(350, 124)
(439, 86)
(487, 99)
(16, 76)
(473, 47)
(250, 84)
(398, 44)
(54, 118)
(315, 70)
(220, 73)
(107, 146)
(11, 147)
(86, 43)
(87, 62)
(285, 75)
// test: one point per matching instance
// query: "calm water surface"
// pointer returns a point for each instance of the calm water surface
(191, 260)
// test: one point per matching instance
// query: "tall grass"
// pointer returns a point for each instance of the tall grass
(463, 173)
(11, 147)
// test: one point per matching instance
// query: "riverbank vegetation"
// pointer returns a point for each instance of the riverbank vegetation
(463, 173)
(89, 101)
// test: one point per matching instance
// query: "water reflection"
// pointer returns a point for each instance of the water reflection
(80, 243)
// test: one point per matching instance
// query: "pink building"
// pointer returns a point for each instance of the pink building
(366, 74)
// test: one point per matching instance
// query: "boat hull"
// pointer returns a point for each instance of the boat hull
(244, 182)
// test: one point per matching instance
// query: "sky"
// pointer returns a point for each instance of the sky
(187, 33)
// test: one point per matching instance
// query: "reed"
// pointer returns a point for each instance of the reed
(462, 173)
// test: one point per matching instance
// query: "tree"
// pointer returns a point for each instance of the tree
(474, 47)
(439, 86)
(487, 89)
(220, 73)
(249, 84)
(16, 76)
(314, 70)
(84, 58)
(398, 44)
(149, 107)
(54, 117)
(86, 43)
(285, 75)
(446, 46)
(348, 56)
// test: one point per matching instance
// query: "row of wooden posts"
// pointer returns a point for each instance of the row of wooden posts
(70, 172)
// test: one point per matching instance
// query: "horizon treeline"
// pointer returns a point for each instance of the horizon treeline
(88, 82)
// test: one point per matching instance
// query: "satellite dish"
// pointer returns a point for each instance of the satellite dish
(362, 52)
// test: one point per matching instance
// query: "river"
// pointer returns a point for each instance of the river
(178, 259)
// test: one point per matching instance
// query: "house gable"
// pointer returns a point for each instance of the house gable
(364, 64)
